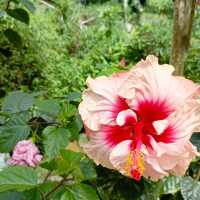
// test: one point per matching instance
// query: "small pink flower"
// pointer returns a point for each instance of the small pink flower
(198, 1)
(25, 153)
(140, 122)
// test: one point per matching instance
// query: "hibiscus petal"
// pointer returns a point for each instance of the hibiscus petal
(157, 92)
(102, 101)
(126, 117)
(184, 160)
(98, 149)
(186, 120)
(118, 156)
(160, 125)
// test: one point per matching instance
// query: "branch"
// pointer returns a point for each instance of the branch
(47, 176)
(8, 4)
(42, 194)
(48, 4)
(86, 22)
(46, 196)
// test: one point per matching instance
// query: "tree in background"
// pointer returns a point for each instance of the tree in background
(183, 17)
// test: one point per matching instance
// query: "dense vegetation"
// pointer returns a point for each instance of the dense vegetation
(67, 41)
(47, 51)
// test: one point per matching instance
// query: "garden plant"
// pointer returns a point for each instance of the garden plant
(99, 100)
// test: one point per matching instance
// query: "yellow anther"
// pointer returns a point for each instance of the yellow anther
(135, 160)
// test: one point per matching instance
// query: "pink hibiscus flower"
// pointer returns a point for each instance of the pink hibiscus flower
(140, 122)
(25, 153)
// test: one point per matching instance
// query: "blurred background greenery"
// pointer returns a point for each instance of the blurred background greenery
(55, 45)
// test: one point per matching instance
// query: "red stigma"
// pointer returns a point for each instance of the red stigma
(136, 175)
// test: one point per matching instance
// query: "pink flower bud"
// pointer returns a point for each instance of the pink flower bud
(25, 153)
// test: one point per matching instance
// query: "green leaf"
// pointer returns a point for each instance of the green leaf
(10, 196)
(31, 194)
(55, 139)
(77, 165)
(75, 127)
(80, 192)
(71, 156)
(48, 106)
(29, 5)
(70, 110)
(68, 196)
(195, 139)
(87, 169)
(18, 178)
(190, 189)
(46, 188)
(103, 194)
(15, 130)
(17, 102)
(35, 193)
(171, 184)
(74, 96)
(152, 190)
(70, 164)
(49, 164)
(13, 37)
(2, 119)
(19, 14)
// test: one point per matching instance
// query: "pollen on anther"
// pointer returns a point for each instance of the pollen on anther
(134, 166)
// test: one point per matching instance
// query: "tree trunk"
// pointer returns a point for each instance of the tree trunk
(182, 26)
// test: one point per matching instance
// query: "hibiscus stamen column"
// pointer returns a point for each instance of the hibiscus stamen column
(134, 166)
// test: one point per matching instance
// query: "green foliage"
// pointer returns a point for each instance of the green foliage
(190, 189)
(10, 196)
(196, 140)
(53, 48)
(11, 132)
(18, 178)
(48, 125)
(80, 192)
(19, 14)
(171, 185)
(13, 37)
(47, 107)
(54, 140)
(17, 102)
(161, 6)
(28, 5)
(66, 42)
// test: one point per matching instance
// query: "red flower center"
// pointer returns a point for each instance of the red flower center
(138, 125)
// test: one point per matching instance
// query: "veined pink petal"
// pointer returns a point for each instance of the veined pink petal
(175, 160)
(102, 101)
(184, 160)
(119, 155)
(98, 149)
(156, 89)
(185, 120)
